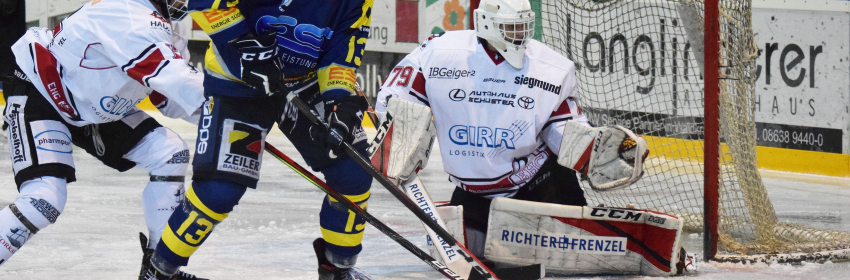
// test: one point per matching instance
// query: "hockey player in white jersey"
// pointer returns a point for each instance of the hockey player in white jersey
(508, 124)
(83, 80)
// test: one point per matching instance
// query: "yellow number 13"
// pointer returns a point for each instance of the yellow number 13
(193, 218)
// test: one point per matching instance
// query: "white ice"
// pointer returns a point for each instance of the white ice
(268, 235)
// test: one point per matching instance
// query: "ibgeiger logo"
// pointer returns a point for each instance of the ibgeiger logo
(446, 73)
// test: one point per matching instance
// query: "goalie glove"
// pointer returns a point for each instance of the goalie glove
(605, 156)
(262, 67)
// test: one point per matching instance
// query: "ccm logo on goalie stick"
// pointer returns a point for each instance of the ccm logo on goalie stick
(381, 133)
(616, 214)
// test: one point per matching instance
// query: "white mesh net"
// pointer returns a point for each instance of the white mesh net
(639, 65)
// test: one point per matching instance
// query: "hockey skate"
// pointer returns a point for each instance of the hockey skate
(328, 271)
(148, 272)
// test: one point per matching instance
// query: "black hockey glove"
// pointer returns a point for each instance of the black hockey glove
(344, 117)
(262, 65)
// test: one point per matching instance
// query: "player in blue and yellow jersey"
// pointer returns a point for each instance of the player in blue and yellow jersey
(261, 51)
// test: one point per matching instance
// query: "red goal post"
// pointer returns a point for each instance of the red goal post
(712, 130)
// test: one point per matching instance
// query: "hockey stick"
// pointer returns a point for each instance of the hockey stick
(366, 216)
(415, 190)
(477, 266)
(414, 187)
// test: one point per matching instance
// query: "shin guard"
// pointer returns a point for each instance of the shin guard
(341, 228)
(207, 203)
(39, 204)
(160, 198)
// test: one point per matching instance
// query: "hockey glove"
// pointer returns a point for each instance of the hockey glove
(610, 158)
(344, 117)
(262, 65)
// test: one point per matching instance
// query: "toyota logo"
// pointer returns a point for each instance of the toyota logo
(458, 94)
(525, 102)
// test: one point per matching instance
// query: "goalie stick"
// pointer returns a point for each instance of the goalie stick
(530, 272)
(477, 266)
(366, 216)
(414, 187)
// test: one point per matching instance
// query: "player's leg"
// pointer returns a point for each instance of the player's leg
(342, 230)
(227, 162)
(552, 184)
(139, 140)
(40, 149)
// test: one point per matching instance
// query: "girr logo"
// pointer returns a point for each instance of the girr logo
(482, 136)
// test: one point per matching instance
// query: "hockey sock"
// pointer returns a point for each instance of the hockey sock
(207, 203)
(159, 199)
(166, 157)
(341, 228)
(38, 205)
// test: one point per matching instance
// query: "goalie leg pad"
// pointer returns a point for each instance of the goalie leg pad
(403, 141)
(453, 218)
(583, 240)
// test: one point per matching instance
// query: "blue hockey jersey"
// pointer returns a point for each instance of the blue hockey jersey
(322, 42)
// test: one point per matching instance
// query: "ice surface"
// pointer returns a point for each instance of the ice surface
(268, 235)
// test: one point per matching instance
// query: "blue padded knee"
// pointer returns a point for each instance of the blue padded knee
(347, 177)
(218, 196)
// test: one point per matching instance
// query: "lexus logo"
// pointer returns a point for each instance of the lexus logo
(525, 102)
(458, 94)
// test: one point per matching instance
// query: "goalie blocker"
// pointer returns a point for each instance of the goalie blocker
(573, 240)
(398, 157)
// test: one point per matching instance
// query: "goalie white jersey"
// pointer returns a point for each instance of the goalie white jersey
(496, 124)
(96, 73)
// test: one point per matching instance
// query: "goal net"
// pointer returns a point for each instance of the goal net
(639, 65)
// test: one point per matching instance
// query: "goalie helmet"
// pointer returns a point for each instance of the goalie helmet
(507, 25)
(175, 10)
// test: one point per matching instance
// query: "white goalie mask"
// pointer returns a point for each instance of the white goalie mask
(507, 25)
(175, 10)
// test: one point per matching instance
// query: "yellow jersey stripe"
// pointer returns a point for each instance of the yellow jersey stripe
(342, 239)
(354, 198)
(366, 16)
(176, 245)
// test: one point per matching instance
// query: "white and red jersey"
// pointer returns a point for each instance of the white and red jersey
(495, 124)
(102, 60)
